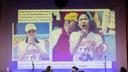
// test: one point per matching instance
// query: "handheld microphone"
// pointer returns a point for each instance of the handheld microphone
(84, 30)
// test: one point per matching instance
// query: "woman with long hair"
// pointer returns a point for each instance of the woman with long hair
(31, 48)
(86, 44)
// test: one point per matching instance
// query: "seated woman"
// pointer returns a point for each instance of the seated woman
(122, 69)
(48, 69)
(75, 69)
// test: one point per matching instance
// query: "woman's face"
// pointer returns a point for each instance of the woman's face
(31, 33)
(83, 21)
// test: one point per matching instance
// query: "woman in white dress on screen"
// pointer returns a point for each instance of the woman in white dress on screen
(31, 48)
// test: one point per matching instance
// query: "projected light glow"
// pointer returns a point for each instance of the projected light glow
(64, 38)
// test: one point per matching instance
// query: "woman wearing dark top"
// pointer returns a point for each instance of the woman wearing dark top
(48, 69)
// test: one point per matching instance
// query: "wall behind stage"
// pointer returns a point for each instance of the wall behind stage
(9, 10)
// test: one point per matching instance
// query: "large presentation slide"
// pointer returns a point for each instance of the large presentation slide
(85, 38)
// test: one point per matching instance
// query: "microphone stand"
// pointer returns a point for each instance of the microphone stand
(105, 64)
(33, 67)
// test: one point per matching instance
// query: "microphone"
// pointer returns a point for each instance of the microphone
(84, 30)
(105, 57)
